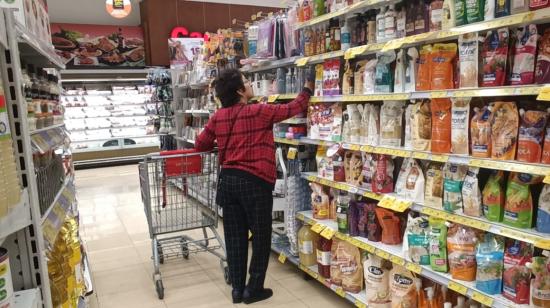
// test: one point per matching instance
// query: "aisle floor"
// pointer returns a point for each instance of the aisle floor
(114, 228)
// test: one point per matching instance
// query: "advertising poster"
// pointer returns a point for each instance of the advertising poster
(183, 50)
(99, 45)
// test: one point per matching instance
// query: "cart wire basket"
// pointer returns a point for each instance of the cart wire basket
(177, 190)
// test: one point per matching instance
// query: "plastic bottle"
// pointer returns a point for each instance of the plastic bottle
(342, 213)
(460, 302)
(323, 256)
(401, 21)
(306, 246)
(381, 26)
(345, 36)
(430, 299)
(390, 31)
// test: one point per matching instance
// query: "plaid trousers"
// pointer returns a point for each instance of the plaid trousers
(246, 205)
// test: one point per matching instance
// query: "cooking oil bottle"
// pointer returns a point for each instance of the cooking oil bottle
(306, 246)
(10, 189)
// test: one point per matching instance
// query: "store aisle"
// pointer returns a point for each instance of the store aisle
(114, 228)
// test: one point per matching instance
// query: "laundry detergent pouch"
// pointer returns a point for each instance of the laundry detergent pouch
(383, 174)
(377, 281)
(494, 55)
(391, 226)
(442, 60)
(531, 134)
(367, 172)
(460, 119)
(504, 130)
(441, 125)
(540, 286)
(546, 148)
(434, 185)
(391, 123)
(384, 73)
(410, 181)
(402, 288)
(524, 54)
(468, 50)
(421, 128)
(374, 230)
(517, 277)
(438, 244)
(461, 246)
(542, 69)
(319, 201)
(543, 212)
(480, 132)
(518, 209)
(474, 10)
(493, 196)
(417, 235)
(490, 258)
(423, 77)
(471, 194)
(452, 187)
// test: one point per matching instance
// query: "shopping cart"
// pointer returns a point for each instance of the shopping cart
(177, 189)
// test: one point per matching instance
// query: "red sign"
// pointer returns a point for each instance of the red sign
(178, 32)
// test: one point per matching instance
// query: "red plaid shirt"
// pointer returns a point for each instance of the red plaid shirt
(251, 147)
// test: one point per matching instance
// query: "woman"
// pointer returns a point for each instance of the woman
(246, 151)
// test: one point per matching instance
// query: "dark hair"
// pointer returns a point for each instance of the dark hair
(227, 84)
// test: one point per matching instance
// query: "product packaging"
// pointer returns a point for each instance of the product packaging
(502, 8)
(441, 125)
(391, 123)
(475, 10)
(391, 226)
(347, 79)
(367, 172)
(399, 72)
(489, 10)
(524, 52)
(542, 69)
(423, 77)
(490, 264)
(436, 15)
(504, 130)
(543, 213)
(358, 77)
(342, 213)
(516, 276)
(369, 76)
(323, 161)
(354, 177)
(460, 13)
(461, 246)
(434, 185)
(346, 269)
(460, 118)
(382, 180)
(306, 246)
(531, 134)
(377, 281)
(442, 60)
(452, 187)
(355, 212)
(421, 128)
(417, 239)
(402, 287)
(325, 121)
(471, 194)
(374, 230)
(373, 128)
(494, 55)
(408, 126)
(546, 148)
(319, 201)
(411, 68)
(410, 182)
(540, 286)
(518, 209)
(493, 196)
(468, 59)
(438, 244)
(337, 155)
(384, 73)
(324, 257)
(480, 132)
(319, 71)
(449, 14)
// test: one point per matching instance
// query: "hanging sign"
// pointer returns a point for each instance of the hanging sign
(118, 8)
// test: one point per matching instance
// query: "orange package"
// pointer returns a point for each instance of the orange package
(391, 226)
(461, 246)
(423, 79)
(531, 134)
(441, 125)
(442, 60)
(504, 130)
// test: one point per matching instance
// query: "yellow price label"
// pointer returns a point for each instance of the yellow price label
(302, 61)
(542, 243)
(272, 98)
(413, 267)
(328, 233)
(366, 247)
(59, 211)
(317, 228)
(438, 94)
(397, 260)
(282, 257)
(341, 236)
(440, 158)
(300, 216)
(360, 304)
(482, 298)
(353, 52)
(393, 44)
(546, 179)
(354, 147)
(421, 155)
(401, 205)
(292, 153)
(457, 287)
(367, 148)
(470, 93)
(340, 291)
(386, 202)
(382, 254)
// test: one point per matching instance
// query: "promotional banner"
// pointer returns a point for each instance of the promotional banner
(99, 45)
(183, 50)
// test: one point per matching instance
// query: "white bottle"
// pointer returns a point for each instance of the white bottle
(460, 302)
(381, 26)
(345, 36)
(448, 305)
(389, 23)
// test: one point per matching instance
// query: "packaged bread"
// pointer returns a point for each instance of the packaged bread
(345, 266)
(402, 287)
(421, 126)
(460, 120)
(531, 134)
(441, 125)
(504, 130)
(391, 123)
(480, 132)
(434, 185)
(442, 66)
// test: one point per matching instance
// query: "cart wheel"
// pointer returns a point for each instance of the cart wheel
(226, 275)
(161, 256)
(160, 289)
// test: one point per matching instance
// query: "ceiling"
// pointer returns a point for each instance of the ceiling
(93, 11)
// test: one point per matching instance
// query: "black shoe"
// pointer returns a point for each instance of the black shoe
(250, 297)
(237, 296)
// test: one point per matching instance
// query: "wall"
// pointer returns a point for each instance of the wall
(89, 12)
(159, 17)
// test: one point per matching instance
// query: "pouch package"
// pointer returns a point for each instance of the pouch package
(441, 125)
(493, 196)
(490, 258)
(391, 123)
(480, 132)
(417, 235)
(531, 134)
(460, 120)
(421, 126)
(438, 244)
(471, 194)
(402, 288)
(452, 187)
(543, 212)
(461, 246)
(434, 185)
(410, 181)
(504, 130)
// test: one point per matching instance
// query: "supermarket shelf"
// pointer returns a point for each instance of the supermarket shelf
(361, 5)
(266, 65)
(31, 46)
(56, 215)
(317, 142)
(295, 121)
(28, 298)
(319, 58)
(396, 203)
(68, 182)
(114, 137)
(359, 299)
(130, 146)
(394, 253)
(47, 139)
(18, 218)
(287, 141)
(200, 85)
(47, 128)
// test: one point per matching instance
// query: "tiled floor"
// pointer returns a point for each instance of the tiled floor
(116, 235)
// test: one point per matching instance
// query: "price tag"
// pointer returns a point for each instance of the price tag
(360, 304)
(413, 267)
(457, 287)
(292, 153)
(513, 234)
(382, 254)
(418, 38)
(401, 205)
(482, 298)
(341, 236)
(59, 212)
(393, 44)
(353, 52)
(328, 233)
(354, 147)
(302, 61)
(366, 247)
(544, 94)
(353, 190)
(317, 228)
(438, 94)
(49, 231)
(470, 93)
(386, 202)
(528, 90)
(282, 257)
(340, 292)
(543, 243)
(272, 98)
(366, 148)
(397, 260)
(300, 216)
(421, 155)
(440, 158)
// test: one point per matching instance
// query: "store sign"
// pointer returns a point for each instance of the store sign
(179, 32)
(183, 50)
(118, 8)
